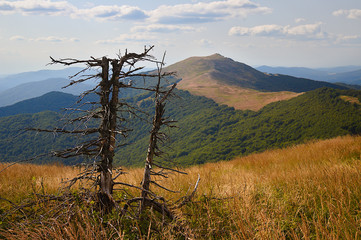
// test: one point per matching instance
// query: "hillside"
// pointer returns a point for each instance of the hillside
(52, 101)
(236, 84)
(206, 131)
(209, 132)
(308, 191)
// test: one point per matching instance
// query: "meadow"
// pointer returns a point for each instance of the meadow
(307, 191)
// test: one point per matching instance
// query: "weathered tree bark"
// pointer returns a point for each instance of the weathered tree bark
(107, 130)
(157, 121)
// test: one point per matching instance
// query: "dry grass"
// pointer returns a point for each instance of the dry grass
(20, 180)
(309, 191)
(351, 99)
(238, 97)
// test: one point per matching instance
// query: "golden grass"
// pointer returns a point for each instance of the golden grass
(308, 191)
(22, 179)
(238, 97)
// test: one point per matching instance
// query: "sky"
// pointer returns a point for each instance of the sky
(302, 33)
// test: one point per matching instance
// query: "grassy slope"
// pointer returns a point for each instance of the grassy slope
(309, 191)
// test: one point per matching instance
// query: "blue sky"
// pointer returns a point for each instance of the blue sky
(317, 33)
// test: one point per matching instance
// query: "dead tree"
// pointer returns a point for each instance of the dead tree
(114, 74)
(155, 135)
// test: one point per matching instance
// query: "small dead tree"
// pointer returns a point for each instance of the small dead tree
(155, 136)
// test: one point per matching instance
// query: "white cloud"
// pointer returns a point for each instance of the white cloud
(34, 7)
(17, 38)
(262, 30)
(162, 28)
(204, 43)
(54, 39)
(351, 13)
(136, 37)
(44, 39)
(205, 11)
(299, 20)
(306, 30)
(114, 13)
(348, 39)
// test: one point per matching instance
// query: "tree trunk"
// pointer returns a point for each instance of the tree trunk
(107, 149)
(157, 122)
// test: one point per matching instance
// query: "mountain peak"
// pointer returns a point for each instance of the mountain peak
(215, 56)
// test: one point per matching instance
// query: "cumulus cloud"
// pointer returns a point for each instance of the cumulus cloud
(163, 28)
(351, 13)
(44, 39)
(17, 38)
(32, 7)
(205, 11)
(123, 38)
(262, 30)
(306, 30)
(204, 43)
(114, 13)
(299, 20)
(55, 39)
(348, 39)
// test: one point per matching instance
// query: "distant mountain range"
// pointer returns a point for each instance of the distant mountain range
(35, 89)
(348, 75)
(10, 81)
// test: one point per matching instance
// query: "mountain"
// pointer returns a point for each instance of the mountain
(38, 88)
(52, 101)
(353, 77)
(314, 74)
(10, 81)
(340, 69)
(237, 84)
(348, 74)
(206, 131)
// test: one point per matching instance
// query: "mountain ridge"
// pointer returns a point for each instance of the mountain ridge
(13, 80)
(348, 75)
